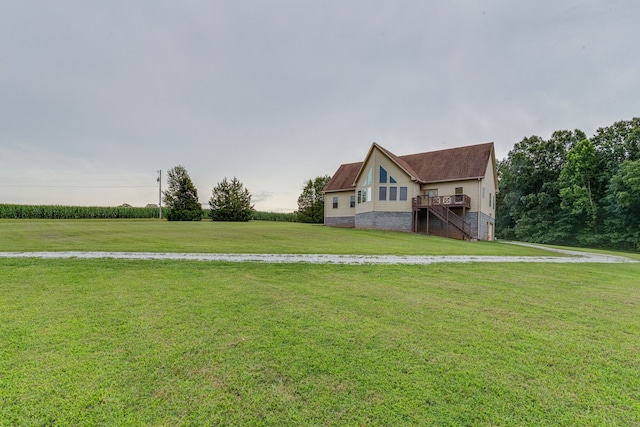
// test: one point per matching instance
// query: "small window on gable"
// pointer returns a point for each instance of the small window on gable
(335, 202)
(459, 190)
(392, 181)
(383, 175)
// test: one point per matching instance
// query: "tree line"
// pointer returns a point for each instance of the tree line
(573, 190)
(231, 201)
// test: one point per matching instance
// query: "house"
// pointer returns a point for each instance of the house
(449, 193)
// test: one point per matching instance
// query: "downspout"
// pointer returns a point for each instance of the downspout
(324, 208)
(479, 206)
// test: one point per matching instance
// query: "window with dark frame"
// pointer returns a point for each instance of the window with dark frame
(403, 193)
(382, 193)
(383, 175)
(335, 202)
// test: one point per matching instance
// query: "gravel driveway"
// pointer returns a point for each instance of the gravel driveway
(573, 257)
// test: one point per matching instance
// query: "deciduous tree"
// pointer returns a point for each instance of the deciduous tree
(573, 190)
(529, 193)
(311, 201)
(623, 206)
(577, 181)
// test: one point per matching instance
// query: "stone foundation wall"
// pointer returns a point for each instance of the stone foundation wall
(401, 221)
(472, 219)
(394, 221)
(340, 221)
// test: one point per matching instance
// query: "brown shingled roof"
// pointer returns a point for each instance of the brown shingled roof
(451, 164)
(343, 178)
(399, 161)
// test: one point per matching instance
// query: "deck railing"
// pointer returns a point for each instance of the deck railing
(452, 201)
(441, 207)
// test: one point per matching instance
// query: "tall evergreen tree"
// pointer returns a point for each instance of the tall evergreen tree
(311, 201)
(181, 196)
(230, 201)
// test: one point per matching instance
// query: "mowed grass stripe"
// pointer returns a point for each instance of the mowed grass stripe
(114, 342)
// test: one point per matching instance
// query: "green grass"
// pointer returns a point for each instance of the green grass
(632, 255)
(173, 343)
(220, 237)
(108, 342)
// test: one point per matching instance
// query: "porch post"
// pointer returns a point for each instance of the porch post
(413, 220)
(428, 221)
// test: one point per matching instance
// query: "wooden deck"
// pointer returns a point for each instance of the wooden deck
(453, 201)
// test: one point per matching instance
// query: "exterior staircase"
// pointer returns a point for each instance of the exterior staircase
(452, 220)
(440, 206)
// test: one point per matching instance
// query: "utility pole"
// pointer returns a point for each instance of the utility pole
(160, 194)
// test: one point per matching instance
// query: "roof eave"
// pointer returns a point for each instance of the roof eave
(339, 190)
(469, 178)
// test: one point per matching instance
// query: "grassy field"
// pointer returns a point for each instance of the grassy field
(164, 343)
(220, 237)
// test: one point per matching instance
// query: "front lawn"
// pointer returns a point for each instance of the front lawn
(115, 342)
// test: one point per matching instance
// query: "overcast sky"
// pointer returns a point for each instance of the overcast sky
(96, 97)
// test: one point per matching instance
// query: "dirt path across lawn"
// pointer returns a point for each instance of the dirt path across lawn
(573, 257)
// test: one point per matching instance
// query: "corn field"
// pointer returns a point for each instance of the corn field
(75, 212)
(8, 211)
(275, 216)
